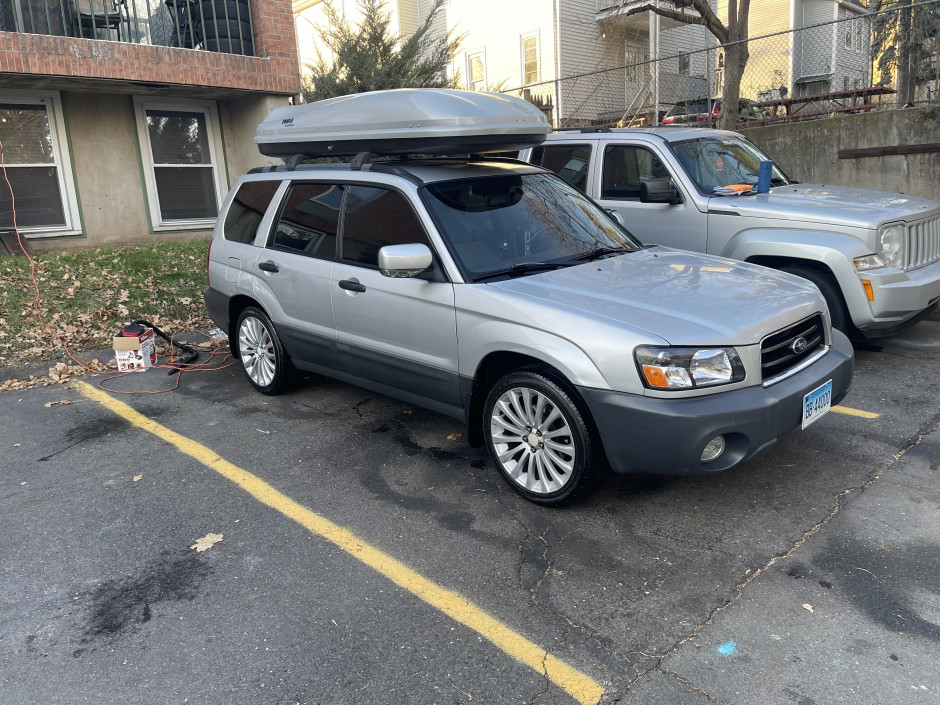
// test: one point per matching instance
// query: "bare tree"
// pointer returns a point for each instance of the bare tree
(731, 36)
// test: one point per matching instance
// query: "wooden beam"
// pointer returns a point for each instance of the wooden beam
(889, 151)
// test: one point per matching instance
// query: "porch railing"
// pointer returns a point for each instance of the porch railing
(213, 25)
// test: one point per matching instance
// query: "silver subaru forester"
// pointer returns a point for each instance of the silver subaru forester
(491, 291)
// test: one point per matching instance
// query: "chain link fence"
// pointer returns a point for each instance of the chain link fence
(874, 58)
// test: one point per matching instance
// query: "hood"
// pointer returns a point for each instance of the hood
(681, 297)
(835, 205)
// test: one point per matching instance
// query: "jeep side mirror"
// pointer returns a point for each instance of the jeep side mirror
(659, 191)
(404, 261)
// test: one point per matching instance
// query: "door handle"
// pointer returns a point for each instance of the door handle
(350, 285)
(268, 266)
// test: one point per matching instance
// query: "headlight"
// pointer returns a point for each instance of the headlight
(892, 245)
(688, 368)
(863, 264)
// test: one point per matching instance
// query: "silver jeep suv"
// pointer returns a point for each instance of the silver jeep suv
(491, 291)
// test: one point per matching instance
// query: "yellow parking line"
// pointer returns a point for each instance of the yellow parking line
(582, 688)
(855, 412)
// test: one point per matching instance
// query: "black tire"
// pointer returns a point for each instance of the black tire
(542, 474)
(231, 46)
(264, 360)
(838, 312)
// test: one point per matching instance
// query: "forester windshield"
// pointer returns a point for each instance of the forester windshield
(723, 161)
(521, 223)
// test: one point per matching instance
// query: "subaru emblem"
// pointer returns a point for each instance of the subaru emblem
(799, 345)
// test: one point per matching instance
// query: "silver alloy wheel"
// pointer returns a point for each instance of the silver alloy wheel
(533, 440)
(256, 348)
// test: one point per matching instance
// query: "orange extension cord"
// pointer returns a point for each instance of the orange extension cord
(175, 367)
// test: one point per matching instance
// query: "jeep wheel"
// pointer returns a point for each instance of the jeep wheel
(538, 438)
(260, 350)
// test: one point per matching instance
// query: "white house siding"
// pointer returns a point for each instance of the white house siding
(768, 65)
(813, 48)
(582, 49)
(851, 63)
(673, 84)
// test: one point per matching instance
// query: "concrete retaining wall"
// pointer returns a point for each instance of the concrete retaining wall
(808, 151)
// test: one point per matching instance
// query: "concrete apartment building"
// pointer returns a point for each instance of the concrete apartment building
(126, 120)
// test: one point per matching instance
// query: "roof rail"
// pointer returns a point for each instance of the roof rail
(584, 130)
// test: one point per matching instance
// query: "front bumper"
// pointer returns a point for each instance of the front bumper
(900, 297)
(666, 436)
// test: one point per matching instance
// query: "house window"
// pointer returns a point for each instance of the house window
(530, 60)
(37, 164)
(180, 146)
(477, 71)
(631, 59)
(858, 34)
(685, 65)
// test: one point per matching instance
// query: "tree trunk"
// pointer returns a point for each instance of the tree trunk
(736, 56)
(905, 82)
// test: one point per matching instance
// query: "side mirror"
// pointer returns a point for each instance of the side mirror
(659, 191)
(615, 216)
(404, 261)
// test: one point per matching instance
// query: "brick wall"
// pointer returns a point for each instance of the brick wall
(274, 69)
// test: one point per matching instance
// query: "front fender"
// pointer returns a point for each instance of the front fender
(496, 336)
(835, 251)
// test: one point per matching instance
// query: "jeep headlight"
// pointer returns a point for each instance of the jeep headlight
(688, 368)
(891, 238)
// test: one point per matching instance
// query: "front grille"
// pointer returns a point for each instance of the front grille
(779, 352)
(923, 243)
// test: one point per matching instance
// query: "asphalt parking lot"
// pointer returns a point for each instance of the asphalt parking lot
(368, 555)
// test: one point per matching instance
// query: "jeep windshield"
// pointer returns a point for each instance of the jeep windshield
(511, 225)
(723, 161)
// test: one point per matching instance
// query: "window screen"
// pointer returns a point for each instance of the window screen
(377, 217)
(31, 167)
(308, 223)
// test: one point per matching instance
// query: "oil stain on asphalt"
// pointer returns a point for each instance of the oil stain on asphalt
(122, 605)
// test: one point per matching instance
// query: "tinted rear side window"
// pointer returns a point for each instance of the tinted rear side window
(376, 217)
(308, 223)
(569, 161)
(247, 209)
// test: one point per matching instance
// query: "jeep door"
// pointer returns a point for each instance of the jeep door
(394, 335)
(618, 177)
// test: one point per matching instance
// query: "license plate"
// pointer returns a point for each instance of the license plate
(817, 403)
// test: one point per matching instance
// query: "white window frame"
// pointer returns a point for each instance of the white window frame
(471, 55)
(208, 109)
(63, 162)
(538, 58)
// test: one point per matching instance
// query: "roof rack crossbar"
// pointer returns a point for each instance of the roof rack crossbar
(360, 159)
(295, 160)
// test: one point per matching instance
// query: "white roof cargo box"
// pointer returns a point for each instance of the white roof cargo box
(407, 120)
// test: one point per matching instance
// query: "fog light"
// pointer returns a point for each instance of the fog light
(715, 447)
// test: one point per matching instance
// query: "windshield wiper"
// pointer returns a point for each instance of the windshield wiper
(602, 252)
(522, 268)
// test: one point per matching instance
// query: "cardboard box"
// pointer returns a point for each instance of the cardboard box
(135, 352)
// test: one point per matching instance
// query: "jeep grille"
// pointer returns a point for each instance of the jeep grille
(923, 243)
(781, 353)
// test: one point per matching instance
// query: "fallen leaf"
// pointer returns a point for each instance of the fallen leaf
(138, 478)
(16, 445)
(407, 411)
(263, 431)
(454, 436)
(808, 607)
(206, 542)
(50, 404)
